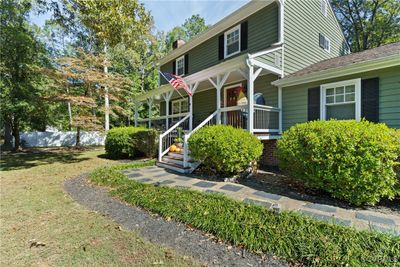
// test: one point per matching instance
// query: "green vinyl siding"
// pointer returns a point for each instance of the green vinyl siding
(263, 85)
(294, 98)
(304, 22)
(262, 33)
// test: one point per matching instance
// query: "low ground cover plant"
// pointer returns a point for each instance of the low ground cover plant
(354, 161)
(225, 149)
(289, 235)
(130, 142)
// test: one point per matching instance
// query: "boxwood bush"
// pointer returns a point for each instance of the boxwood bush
(129, 142)
(353, 161)
(225, 149)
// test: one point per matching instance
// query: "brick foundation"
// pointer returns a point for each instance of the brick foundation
(268, 157)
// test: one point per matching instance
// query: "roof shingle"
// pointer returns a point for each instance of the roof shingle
(341, 61)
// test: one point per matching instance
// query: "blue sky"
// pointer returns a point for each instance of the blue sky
(168, 14)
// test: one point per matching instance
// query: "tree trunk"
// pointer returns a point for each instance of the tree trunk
(17, 139)
(106, 100)
(78, 137)
(8, 138)
(69, 113)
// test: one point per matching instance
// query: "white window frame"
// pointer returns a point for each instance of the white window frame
(182, 58)
(180, 105)
(324, 7)
(329, 43)
(357, 96)
(236, 28)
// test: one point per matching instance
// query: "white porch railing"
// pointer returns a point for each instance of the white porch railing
(159, 122)
(266, 118)
(167, 138)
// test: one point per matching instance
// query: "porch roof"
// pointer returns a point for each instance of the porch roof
(237, 63)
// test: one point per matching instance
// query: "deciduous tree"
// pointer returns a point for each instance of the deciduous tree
(368, 23)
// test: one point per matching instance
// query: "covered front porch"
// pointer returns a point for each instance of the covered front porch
(237, 92)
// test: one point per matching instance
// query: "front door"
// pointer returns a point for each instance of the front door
(234, 118)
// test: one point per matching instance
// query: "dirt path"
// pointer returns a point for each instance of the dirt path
(166, 233)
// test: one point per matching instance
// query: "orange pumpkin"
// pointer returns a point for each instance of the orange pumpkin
(173, 148)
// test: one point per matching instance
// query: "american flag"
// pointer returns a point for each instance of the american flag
(176, 81)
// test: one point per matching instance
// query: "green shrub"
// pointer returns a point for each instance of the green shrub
(353, 161)
(226, 149)
(129, 142)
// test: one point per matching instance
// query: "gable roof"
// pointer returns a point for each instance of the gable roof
(222, 25)
(382, 54)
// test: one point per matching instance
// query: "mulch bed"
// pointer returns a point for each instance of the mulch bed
(277, 183)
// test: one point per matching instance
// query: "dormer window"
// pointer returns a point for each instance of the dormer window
(180, 66)
(232, 41)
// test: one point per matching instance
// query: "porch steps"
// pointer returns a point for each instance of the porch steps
(174, 161)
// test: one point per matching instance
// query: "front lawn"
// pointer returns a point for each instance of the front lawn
(42, 226)
(288, 235)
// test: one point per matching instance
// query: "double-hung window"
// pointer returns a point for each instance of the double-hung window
(180, 106)
(180, 66)
(232, 41)
(341, 100)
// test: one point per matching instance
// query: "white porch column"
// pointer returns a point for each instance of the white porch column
(150, 104)
(167, 98)
(193, 88)
(280, 109)
(137, 105)
(221, 79)
(219, 99)
(250, 99)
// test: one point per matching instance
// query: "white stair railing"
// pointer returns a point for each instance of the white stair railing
(207, 121)
(167, 138)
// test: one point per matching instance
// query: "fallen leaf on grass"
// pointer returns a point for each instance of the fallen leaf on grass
(158, 263)
(34, 243)
(168, 255)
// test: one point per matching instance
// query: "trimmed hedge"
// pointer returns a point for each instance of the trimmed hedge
(130, 142)
(353, 161)
(298, 239)
(226, 149)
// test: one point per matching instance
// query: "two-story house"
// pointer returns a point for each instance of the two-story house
(236, 71)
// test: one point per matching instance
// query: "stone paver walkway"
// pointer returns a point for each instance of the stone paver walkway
(356, 218)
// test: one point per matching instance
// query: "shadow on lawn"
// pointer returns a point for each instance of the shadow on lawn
(34, 157)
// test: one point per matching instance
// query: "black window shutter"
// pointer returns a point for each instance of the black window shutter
(221, 52)
(174, 67)
(186, 63)
(314, 103)
(370, 99)
(243, 36)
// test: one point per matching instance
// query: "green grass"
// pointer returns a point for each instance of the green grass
(33, 206)
(288, 235)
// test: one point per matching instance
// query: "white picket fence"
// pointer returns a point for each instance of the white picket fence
(61, 139)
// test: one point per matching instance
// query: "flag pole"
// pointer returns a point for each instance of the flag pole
(162, 74)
